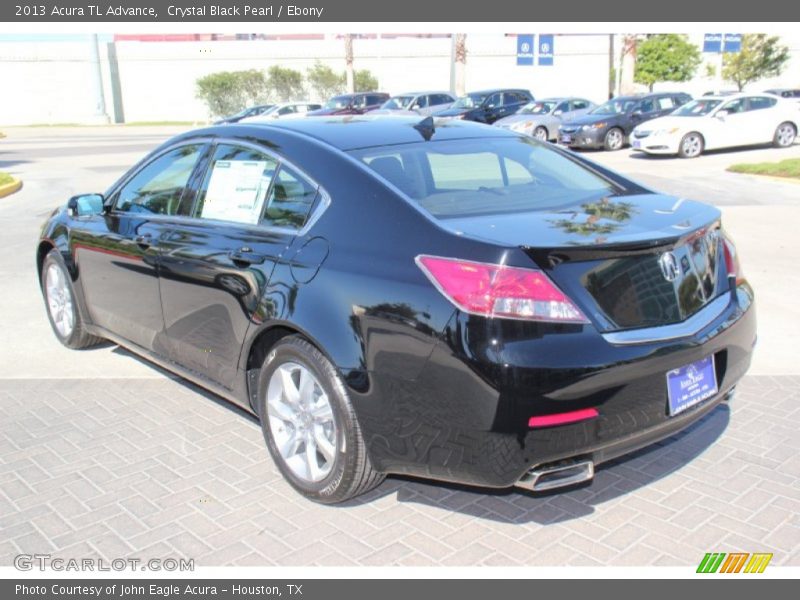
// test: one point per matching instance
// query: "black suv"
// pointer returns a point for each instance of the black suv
(350, 104)
(487, 106)
(609, 125)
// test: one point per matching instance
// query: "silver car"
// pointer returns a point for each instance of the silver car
(541, 118)
(422, 103)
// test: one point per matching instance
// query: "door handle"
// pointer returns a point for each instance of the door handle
(246, 256)
(145, 240)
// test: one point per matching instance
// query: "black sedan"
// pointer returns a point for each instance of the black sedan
(250, 111)
(609, 125)
(444, 300)
(487, 106)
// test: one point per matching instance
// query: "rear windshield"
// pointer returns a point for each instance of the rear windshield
(459, 178)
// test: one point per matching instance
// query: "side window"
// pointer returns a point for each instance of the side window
(735, 106)
(761, 102)
(579, 104)
(159, 186)
(647, 106)
(360, 101)
(290, 200)
(422, 101)
(666, 103)
(236, 185)
(494, 100)
(286, 110)
(682, 99)
(563, 107)
(374, 99)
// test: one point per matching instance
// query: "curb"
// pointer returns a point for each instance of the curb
(769, 177)
(10, 188)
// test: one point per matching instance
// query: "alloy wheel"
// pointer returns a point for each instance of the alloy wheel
(692, 145)
(785, 135)
(614, 139)
(301, 422)
(540, 134)
(59, 300)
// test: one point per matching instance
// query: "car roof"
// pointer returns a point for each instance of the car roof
(423, 92)
(495, 90)
(359, 131)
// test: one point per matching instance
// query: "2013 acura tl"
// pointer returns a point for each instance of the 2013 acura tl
(445, 300)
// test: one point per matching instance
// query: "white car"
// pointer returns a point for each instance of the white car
(713, 122)
(283, 110)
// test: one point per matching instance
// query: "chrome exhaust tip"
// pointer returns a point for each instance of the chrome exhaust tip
(550, 477)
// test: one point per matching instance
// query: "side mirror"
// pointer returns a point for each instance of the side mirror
(722, 114)
(415, 107)
(637, 114)
(85, 205)
(558, 112)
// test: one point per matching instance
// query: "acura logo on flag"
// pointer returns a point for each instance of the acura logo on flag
(669, 266)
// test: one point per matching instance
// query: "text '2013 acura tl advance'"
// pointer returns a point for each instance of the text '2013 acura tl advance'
(404, 296)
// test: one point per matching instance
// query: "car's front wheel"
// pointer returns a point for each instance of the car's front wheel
(62, 308)
(784, 135)
(691, 146)
(540, 133)
(614, 139)
(310, 426)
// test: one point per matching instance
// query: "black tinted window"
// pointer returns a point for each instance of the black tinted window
(648, 105)
(290, 200)
(158, 187)
(760, 102)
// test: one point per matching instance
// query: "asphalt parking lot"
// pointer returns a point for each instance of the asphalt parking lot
(102, 454)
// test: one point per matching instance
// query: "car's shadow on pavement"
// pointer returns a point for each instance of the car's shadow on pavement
(612, 480)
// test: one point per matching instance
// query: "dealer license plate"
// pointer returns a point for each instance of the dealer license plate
(566, 139)
(691, 384)
(637, 144)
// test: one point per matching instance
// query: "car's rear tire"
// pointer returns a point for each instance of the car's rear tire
(61, 304)
(785, 135)
(540, 133)
(310, 426)
(692, 145)
(614, 139)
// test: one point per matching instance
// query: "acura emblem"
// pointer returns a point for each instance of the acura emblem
(669, 266)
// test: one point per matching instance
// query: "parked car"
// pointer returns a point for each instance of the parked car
(487, 106)
(250, 111)
(609, 125)
(716, 122)
(784, 92)
(541, 118)
(423, 103)
(284, 110)
(450, 301)
(351, 104)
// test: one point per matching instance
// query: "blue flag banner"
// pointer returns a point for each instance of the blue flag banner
(732, 43)
(712, 42)
(546, 49)
(525, 49)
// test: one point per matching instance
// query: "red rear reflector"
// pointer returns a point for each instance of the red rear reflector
(563, 418)
(732, 260)
(493, 290)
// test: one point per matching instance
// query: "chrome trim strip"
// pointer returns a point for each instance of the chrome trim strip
(675, 331)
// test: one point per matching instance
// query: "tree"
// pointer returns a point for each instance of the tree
(665, 57)
(761, 56)
(365, 81)
(228, 92)
(221, 92)
(324, 81)
(285, 84)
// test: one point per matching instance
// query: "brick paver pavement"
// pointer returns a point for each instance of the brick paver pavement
(158, 468)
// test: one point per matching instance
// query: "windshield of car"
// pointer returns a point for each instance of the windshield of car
(470, 101)
(338, 102)
(538, 108)
(398, 103)
(462, 178)
(697, 108)
(617, 106)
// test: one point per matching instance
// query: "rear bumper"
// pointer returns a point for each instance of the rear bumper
(465, 418)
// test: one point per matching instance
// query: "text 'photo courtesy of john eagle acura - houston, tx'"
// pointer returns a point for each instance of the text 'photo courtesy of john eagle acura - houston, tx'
(401, 295)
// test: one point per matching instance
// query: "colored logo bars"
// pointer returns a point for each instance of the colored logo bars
(734, 562)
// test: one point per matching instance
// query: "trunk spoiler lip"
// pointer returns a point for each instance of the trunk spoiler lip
(553, 256)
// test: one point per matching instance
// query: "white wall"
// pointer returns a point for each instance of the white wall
(50, 82)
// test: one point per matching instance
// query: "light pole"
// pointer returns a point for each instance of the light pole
(96, 75)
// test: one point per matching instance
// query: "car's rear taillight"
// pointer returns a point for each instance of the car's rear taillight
(734, 268)
(500, 291)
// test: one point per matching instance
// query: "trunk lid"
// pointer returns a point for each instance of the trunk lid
(628, 261)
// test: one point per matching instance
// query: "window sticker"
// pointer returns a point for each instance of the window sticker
(236, 191)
